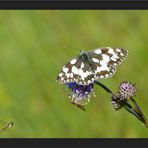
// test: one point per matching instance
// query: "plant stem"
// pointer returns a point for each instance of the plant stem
(104, 87)
(136, 111)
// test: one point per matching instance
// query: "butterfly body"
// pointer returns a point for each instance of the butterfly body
(92, 65)
(84, 55)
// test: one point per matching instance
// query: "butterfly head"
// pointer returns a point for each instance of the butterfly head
(84, 54)
(81, 51)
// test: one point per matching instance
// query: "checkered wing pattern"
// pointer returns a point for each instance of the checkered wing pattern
(89, 66)
(105, 61)
(76, 70)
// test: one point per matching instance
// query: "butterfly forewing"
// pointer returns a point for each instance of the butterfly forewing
(105, 60)
(89, 66)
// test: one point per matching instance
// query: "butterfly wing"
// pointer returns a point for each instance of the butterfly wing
(98, 63)
(85, 73)
(66, 74)
(105, 60)
(76, 70)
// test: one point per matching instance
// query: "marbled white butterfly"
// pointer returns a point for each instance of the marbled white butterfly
(91, 65)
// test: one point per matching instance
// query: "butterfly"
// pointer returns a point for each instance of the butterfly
(92, 65)
(6, 125)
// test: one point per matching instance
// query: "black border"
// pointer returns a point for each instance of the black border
(74, 142)
(76, 5)
(71, 4)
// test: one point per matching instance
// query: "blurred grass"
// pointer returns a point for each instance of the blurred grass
(32, 53)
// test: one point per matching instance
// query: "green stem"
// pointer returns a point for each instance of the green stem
(136, 111)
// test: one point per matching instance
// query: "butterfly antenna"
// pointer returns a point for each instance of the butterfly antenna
(72, 47)
(84, 42)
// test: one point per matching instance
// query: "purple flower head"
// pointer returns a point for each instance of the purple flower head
(80, 94)
(127, 90)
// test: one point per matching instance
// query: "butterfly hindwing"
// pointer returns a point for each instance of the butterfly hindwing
(78, 70)
(69, 72)
(85, 73)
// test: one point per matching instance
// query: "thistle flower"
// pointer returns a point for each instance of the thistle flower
(80, 94)
(127, 90)
(125, 93)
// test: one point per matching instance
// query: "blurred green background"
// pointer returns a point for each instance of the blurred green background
(34, 45)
